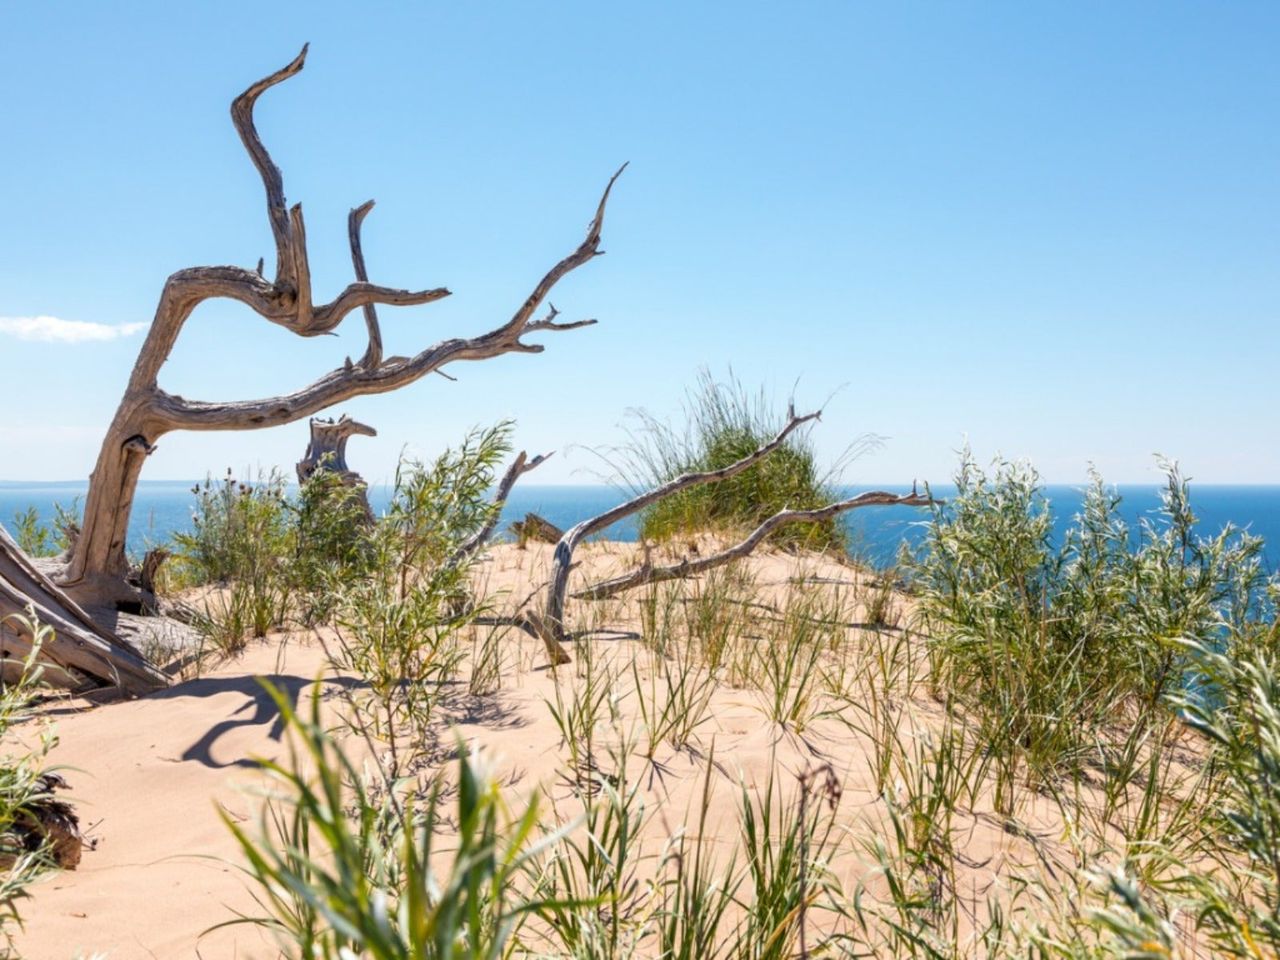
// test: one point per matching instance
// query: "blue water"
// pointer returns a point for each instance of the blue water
(163, 507)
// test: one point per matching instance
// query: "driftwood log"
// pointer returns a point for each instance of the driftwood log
(82, 652)
(97, 566)
(549, 623)
(648, 573)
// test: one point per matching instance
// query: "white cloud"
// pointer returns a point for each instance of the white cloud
(56, 330)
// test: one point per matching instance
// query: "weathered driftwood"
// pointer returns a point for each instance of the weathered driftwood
(328, 447)
(148, 574)
(81, 651)
(648, 573)
(519, 467)
(97, 566)
(551, 622)
(536, 528)
(327, 451)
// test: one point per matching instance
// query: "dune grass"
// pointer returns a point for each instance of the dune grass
(725, 422)
(1120, 684)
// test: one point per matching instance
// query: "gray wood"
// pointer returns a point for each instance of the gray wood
(81, 649)
(648, 573)
(97, 566)
(551, 622)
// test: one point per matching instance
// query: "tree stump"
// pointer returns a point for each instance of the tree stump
(327, 451)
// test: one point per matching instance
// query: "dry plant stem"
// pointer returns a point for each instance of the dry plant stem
(98, 564)
(648, 573)
(551, 623)
(519, 467)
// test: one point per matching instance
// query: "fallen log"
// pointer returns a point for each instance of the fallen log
(549, 626)
(85, 653)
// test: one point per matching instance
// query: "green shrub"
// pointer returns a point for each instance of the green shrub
(239, 530)
(241, 540)
(398, 624)
(39, 539)
(724, 424)
(333, 543)
(22, 788)
(1236, 706)
(1050, 644)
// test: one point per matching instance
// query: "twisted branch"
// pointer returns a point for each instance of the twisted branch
(648, 573)
(552, 620)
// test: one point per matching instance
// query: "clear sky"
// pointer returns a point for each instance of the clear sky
(1051, 228)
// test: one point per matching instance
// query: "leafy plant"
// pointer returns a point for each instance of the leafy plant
(40, 539)
(340, 873)
(724, 424)
(240, 543)
(398, 626)
(1050, 643)
(24, 849)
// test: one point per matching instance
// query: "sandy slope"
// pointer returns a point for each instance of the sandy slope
(151, 778)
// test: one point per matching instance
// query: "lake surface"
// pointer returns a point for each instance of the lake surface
(162, 507)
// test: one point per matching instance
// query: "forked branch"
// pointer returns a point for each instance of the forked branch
(648, 573)
(552, 619)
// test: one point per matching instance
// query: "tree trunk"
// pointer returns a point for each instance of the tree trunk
(98, 563)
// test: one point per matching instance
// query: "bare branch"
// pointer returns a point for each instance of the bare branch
(519, 467)
(344, 383)
(646, 573)
(590, 247)
(373, 355)
(242, 117)
(302, 309)
(292, 304)
(562, 562)
(324, 318)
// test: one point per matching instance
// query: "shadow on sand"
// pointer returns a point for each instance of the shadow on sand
(259, 709)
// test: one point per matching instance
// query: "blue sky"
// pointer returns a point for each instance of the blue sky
(1053, 229)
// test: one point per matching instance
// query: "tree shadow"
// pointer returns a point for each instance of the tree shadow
(259, 709)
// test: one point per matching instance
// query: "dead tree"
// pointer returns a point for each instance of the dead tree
(549, 622)
(328, 448)
(97, 566)
(327, 451)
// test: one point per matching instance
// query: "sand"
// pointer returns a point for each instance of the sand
(152, 778)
